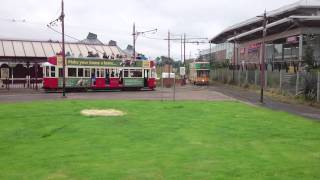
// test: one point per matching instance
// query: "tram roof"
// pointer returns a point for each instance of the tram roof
(44, 49)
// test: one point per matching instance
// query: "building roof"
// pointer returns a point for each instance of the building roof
(45, 49)
(92, 39)
(256, 22)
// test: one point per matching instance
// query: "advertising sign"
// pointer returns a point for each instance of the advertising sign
(93, 62)
(182, 71)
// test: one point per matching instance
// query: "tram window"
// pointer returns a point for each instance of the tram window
(93, 72)
(102, 72)
(98, 73)
(86, 72)
(80, 72)
(107, 73)
(60, 72)
(136, 73)
(153, 73)
(113, 73)
(53, 71)
(47, 71)
(126, 73)
(72, 72)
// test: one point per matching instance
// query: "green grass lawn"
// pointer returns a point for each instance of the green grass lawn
(156, 140)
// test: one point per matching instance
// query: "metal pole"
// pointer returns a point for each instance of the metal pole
(134, 41)
(174, 88)
(280, 80)
(318, 87)
(263, 56)
(234, 58)
(12, 76)
(297, 83)
(63, 53)
(181, 49)
(36, 75)
(184, 49)
(184, 57)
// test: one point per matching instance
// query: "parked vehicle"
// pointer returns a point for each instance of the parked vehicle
(199, 73)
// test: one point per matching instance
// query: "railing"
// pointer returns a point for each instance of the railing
(292, 84)
(20, 83)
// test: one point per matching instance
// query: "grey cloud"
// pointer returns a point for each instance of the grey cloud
(113, 19)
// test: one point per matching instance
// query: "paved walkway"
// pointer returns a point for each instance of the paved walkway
(182, 93)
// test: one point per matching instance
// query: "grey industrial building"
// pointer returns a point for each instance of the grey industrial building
(290, 30)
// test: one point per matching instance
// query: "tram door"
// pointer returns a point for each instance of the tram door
(146, 77)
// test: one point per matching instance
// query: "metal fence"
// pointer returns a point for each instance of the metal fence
(21, 83)
(305, 84)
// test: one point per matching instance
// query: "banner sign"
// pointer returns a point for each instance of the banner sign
(254, 48)
(182, 71)
(293, 39)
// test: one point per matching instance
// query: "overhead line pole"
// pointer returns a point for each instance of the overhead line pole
(134, 41)
(63, 52)
(265, 21)
(184, 49)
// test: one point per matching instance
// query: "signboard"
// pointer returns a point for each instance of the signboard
(146, 64)
(93, 62)
(293, 39)
(182, 71)
(254, 48)
(59, 60)
(202, 66)
(5, 73)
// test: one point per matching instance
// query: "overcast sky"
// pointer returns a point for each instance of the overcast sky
(113, 19)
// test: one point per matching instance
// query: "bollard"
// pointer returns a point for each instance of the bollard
(297, 83)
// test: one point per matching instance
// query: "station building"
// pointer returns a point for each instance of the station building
(20, 60)
(290, 30)
(220, 52)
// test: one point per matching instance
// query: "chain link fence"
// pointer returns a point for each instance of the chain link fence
(305, 84)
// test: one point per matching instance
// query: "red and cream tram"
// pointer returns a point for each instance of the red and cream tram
(98, 74)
